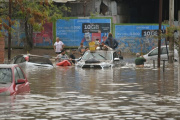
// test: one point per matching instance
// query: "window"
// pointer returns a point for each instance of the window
(164, 50)
(154, 52)
(21, 75)
(16, 75)
(97, 55)
(115, 55)
(19, 59)
(39, 60)
(5, 75)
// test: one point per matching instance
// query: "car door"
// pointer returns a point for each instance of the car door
(20, 88)
(164, 55)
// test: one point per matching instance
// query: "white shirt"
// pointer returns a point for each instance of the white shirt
(58, 46)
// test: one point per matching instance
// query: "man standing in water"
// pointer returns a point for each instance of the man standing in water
(58, 46)
(111, 42)
(139, 61)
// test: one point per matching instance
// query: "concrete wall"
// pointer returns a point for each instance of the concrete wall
(119, 11)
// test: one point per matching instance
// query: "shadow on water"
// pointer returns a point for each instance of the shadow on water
(71, 93)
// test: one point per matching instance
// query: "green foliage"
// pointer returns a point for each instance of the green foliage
(94, 14)
(37, 27)
(33, 13)
(170, 31)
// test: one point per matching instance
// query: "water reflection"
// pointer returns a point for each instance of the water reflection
(71, 93)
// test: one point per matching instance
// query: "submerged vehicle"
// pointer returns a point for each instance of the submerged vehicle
(99, 59)
(35, 60)
(12, 80)
(153, 54)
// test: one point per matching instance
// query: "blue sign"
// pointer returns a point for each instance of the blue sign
(74, 31)
(137, 38)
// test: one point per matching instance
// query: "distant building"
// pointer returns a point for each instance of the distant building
(122, 11)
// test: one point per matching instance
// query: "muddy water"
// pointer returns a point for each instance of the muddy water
(71, 93)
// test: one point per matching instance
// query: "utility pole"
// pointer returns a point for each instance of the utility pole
(159, 33)
(179, 50)
(171, 38)
(9, 32)
(179, 34)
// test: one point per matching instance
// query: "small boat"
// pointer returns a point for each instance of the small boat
(64, 63)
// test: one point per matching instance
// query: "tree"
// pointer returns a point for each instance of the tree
(34, 14)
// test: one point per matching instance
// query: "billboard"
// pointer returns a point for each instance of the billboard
(74, 31)
(137, 38)
(45, 37)
(17, 33)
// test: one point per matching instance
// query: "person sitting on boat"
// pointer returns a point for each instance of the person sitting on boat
(62, 56)
(63, 59)
(139, 61)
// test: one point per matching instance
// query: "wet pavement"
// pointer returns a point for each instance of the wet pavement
(120, 93)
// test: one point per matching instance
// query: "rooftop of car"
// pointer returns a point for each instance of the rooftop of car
(101, 51)
(32, 55)
(7, 65)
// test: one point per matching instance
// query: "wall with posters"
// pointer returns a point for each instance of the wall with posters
(74, 31)
(17, 34)
(137, 38)
(131, 38)
(45, 37)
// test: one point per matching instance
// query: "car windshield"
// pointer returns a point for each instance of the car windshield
(98, 55)
(5, 75)
(39, 60)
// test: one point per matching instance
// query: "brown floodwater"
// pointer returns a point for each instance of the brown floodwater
(120, 93)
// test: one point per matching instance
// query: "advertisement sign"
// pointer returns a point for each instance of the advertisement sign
(43, 38)
(137, 38)
(95, 27)
(74, 31)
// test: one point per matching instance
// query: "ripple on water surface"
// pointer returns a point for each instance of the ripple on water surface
(96, 94)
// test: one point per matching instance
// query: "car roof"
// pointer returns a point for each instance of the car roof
(102, 51)
(31, 55)
(7, 65)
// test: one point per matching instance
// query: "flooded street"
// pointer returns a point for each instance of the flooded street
(71, 93)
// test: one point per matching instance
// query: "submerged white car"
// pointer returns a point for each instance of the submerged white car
(99, 59)
(153, 54)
